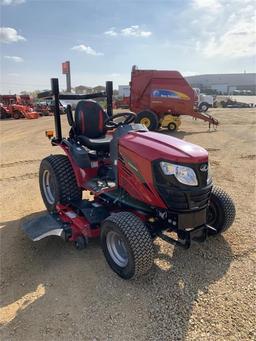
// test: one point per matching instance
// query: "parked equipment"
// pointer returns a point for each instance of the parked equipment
(155, 94)
(204, 102)
(144, 184)
(13, 106)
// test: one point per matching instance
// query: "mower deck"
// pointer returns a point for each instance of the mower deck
(43, 226)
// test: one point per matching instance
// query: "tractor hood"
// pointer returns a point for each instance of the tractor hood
(153, 146)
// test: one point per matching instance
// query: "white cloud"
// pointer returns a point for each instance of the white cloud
(135, 31)
(232, 33)
(132, 31)
(15, 59)
(9, 35)
(111, 32)
(210, 5)
(11, 2)
(87, 50)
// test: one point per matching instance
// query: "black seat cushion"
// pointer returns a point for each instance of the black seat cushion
(89, 126)
(89, 119)
(99, 144)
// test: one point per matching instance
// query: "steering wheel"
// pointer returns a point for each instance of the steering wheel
(111, 124)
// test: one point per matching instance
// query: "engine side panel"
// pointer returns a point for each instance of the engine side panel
(135, 176)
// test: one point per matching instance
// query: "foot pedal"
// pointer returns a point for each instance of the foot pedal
(96, 214)
(43, 226)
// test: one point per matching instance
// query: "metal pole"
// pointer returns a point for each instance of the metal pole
(68, 78)
(55, 92)
(109, 92)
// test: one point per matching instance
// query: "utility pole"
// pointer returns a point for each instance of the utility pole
(66, 71)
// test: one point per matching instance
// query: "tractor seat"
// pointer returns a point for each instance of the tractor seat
(89, 126)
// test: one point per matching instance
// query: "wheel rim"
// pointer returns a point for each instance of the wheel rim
(116, 248)
(145, 121)
(204, 107)
(48, 187)
(172, 126)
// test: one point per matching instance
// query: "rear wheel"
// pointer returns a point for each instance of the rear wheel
(127, 245)
(57, 182)
(148, 118)
(221, 211)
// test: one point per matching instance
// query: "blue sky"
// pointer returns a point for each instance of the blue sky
(103, 39)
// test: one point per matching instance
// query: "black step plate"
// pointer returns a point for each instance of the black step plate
(42, 226)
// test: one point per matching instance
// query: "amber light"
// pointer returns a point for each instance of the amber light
(49, 133)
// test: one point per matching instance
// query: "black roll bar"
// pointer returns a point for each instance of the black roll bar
(55, 94)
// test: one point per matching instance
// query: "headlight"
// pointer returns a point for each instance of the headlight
(185, 175)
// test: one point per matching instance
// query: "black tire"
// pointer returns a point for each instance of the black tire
(203, 107)
(3, 114)
(16, 115)
(61, 182)
(80, 243)
(137, 242)
(150, 116)
(172, 126)
(221, 212)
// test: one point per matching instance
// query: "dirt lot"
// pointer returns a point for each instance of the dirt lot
(50, 291)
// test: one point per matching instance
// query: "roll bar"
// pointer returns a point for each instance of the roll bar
(55, 94)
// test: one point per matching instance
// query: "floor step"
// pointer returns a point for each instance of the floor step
(97, 185)
(42, 226)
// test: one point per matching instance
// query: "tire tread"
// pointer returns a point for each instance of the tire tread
(138, 238)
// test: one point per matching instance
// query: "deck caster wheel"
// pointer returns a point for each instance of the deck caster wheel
(80, 243)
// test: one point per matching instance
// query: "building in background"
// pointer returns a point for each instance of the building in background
(225, 84)
(123, 90)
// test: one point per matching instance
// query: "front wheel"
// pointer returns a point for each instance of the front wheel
(127, 245)
(221, 211)
(16, 115)
(203, 107)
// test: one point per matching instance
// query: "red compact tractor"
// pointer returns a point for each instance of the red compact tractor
(13, 106)
(144, 185)
(159, 98)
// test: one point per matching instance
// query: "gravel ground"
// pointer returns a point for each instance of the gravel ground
(50, 291)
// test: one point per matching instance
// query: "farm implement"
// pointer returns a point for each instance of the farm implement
(160, 98)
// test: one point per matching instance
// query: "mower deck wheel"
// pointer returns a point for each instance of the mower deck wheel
(127, 245)
(57, 182)
(80, 243)
(149, 119)
(221, 212)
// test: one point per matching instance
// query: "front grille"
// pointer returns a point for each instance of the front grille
(180, 197)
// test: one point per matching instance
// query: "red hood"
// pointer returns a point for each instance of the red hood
(153, 146)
